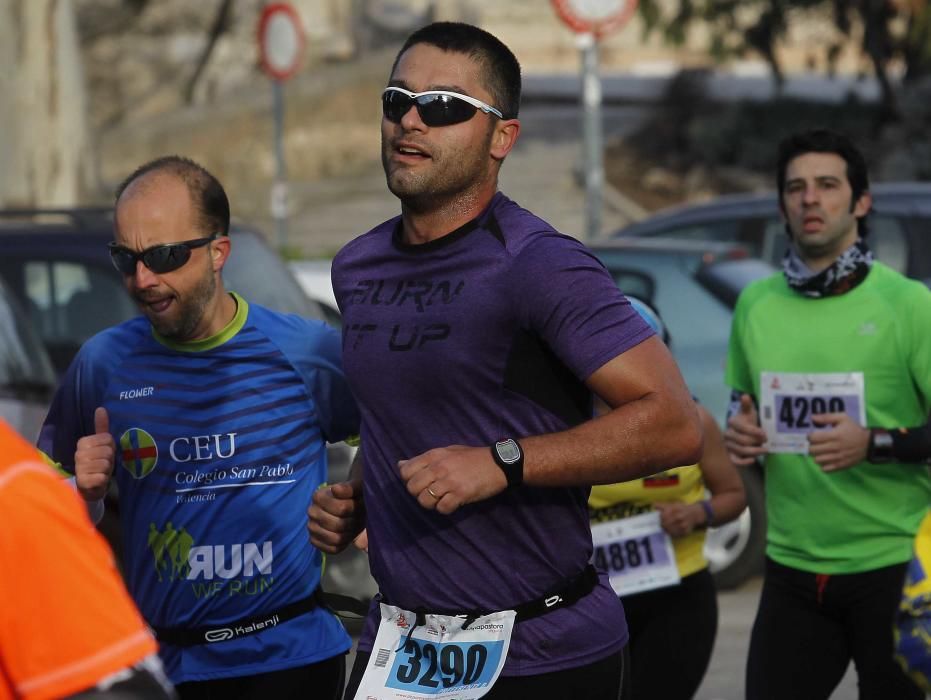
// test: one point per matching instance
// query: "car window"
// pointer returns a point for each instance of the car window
(72, 301)
(635, 283)
(698, 324)
(67, 301)
(887, 239)
(888, 242)
(24, 367)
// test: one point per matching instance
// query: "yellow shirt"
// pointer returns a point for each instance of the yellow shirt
(623, 500)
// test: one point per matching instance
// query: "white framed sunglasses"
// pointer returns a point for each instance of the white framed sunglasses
(435, 107)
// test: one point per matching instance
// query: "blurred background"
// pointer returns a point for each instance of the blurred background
(91, 88)
(694, 96)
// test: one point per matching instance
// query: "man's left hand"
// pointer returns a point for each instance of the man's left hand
(843, 445)
(447, 478)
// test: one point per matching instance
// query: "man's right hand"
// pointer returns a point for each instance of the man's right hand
(744, 437)
(94, 459)
(336, 516)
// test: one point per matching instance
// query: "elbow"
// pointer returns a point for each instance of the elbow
(688, 437)
(691, 442)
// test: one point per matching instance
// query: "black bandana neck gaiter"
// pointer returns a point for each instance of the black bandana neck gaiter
(845, 273)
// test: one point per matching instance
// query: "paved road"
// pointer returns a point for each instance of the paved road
(725, 677)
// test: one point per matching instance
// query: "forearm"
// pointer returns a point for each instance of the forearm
(656, 432)
(726, 506)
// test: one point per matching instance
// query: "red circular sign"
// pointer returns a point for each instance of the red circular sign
(598, 17)
(281, 40)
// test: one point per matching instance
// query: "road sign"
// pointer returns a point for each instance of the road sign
(598, 17)
(281, 40)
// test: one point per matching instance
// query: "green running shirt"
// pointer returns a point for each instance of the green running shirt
(865, 517)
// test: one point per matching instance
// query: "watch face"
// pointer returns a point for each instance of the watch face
(508, 451)
(882, 440)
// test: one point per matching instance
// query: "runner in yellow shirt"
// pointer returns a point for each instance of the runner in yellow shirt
(649, 534)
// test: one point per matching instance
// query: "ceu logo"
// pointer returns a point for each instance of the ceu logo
(139, 452)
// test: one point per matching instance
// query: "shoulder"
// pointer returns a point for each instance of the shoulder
(761, 289)
(114, 343)
(897, 286)
(532, 244)
(287, 327)
(521, 230)
(300, 339)
(376, 238)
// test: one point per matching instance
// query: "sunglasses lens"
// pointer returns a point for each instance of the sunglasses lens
(166, 258)
(434, 110)
(123, 260)
(395, 105)
(444, 110)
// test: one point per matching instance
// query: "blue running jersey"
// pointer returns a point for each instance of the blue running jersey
(220, 446)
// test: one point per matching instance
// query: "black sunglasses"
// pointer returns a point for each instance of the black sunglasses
(435, 107)
(159, 258)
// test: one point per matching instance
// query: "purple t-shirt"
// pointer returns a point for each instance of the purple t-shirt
(486, 333)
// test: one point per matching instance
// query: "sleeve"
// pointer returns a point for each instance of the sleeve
(71, 413)
(66, 621)
(737, 374)
(319, 362)
(568, 299)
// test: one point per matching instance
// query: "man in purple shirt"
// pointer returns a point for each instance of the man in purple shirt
(474, 339)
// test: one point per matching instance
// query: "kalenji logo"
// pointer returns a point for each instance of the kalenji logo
(220, 635)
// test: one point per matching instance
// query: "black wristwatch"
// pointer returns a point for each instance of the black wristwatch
(880, 450)
(510, 457)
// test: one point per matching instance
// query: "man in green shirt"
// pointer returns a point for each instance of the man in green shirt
(830, 363)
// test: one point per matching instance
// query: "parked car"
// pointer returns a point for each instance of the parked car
(26, 376)
(56, 264)
(314, 278)
(694, 285)
(899, 225)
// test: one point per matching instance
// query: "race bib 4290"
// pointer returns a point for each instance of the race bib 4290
(789, 400)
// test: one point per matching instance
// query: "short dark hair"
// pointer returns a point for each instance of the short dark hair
(825, 141)
(207, 194)
(501, 71)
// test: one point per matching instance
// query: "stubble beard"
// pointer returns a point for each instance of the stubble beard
(190, 310)
(447, 181)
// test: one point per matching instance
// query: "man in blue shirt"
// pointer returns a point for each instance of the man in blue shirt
(213, 416)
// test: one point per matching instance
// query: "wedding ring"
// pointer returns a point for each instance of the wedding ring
(430, 491)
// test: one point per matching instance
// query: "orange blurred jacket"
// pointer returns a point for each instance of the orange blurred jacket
(66, 621)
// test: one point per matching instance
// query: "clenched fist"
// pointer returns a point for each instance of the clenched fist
(94, 459)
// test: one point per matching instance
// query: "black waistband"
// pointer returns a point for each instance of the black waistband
(191, 636)
(571, 591)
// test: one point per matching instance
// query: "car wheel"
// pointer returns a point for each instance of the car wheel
(735, 551)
